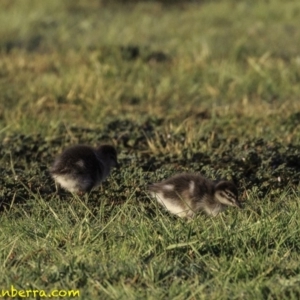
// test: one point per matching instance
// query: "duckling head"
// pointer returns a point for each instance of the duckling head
(226, 193)
(109, 154)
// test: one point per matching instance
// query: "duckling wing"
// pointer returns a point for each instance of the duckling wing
(78, 159)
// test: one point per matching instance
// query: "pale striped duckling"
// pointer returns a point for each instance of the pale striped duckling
(81, 168)
(186, 194)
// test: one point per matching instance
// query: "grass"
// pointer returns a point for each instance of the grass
(210, 87)
(129, 253)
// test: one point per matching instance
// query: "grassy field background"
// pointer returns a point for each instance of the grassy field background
(208, 86)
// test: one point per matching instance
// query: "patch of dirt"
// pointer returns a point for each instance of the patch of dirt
(263, 166)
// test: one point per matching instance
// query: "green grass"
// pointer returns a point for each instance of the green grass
(122, 251)
(210, 87)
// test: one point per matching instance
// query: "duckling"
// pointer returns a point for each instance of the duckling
(186, 194)
(81, 168)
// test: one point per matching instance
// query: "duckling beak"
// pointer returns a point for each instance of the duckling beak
(238, 204)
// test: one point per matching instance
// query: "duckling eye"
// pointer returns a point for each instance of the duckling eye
(113, 157)
(230, 196)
